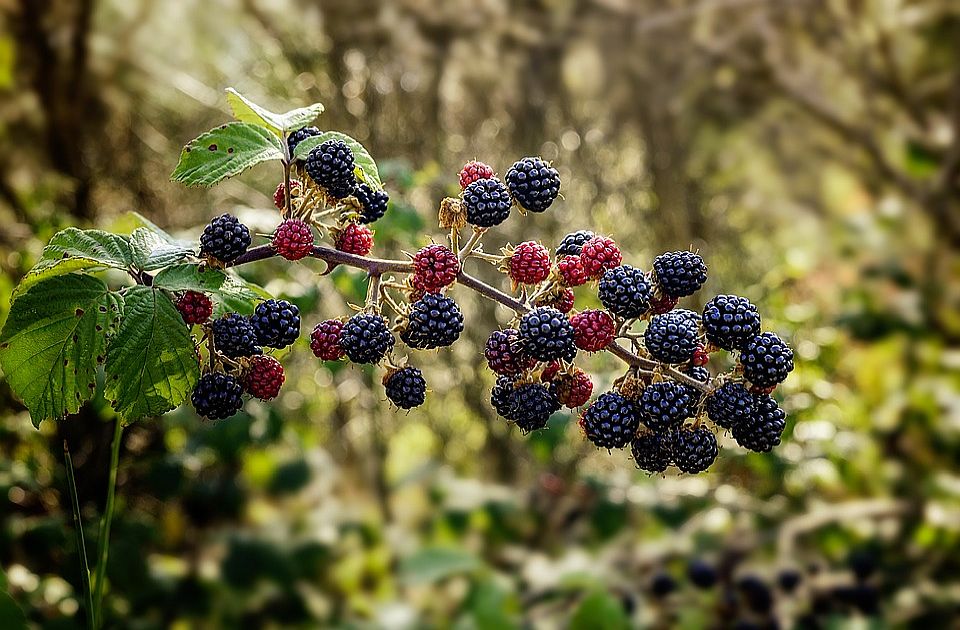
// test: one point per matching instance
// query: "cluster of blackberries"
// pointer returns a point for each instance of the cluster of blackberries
(236, 362)
(531, 182)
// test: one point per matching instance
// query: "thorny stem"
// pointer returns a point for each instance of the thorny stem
(373, 292)
(471, 243)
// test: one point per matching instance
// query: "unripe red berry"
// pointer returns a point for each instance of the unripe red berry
(264, 378)
(195, 307)
(435, 267)
(663, 304)
(325, 340)
(571, 271)
(700, 356)
(550, 371)
(472, 171)
(418, 288)
(562, 301)
(354, 239)
(529, 263)
(593, 330)
(756, 389)
(599, 254)
(574, 390)
(280, 197)
(293, 239)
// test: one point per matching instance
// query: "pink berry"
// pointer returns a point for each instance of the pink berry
(325, 340)
(571, 271)
(435, 267)
(593, 330)
(599, 254)
(264, 378)
(279, 195)
(529, 264)
(472, 171)
(354, 239)
(574, 390)
(293, 239)
(195, 307)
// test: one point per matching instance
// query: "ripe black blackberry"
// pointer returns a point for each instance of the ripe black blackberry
(434, 321)
(662, 585)
(730, 405)
(761, 430)
(546, 334)
(224, 239)
(276, 322)
(672, 337)
(702, 574)
(679, 273)
(664, 405)
(533, 405)
(217, 396)
(488, 202)
(766, 359)
(611, 421)
(366, 338)
(373, 203)
(299, 136)
(503, 397)
(533, 183)
(406, 387)
(730, 321)
(652, 451)
(697, 373)
(625, 291)
(694, 449)
(330, 166)
(234, 336)
(572, 243)
(503, 354)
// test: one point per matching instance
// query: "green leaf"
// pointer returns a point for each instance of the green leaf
(247, 111)
(366, 167)
(152, 364)
(437, 563)
(73, 249)
(152, 251)
(224, 152)
(235, 293)
(141, 221)
(600, 611)
(53, 340)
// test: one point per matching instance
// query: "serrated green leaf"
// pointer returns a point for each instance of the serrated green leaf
(53, 340)
(141, 221)
(366, 167)
(247, 111)
(73, 249)
(224, 152)
(235, 293)
(152, 364)
(151, 251)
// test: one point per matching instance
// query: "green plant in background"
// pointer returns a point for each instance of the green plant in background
(184, 325)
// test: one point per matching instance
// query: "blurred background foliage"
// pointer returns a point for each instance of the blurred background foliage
(809, 149)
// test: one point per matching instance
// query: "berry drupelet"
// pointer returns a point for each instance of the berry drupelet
(533, 405)
(224, 239)
(573, 390)
(571, 271)
(611, 421)
(330, 166)
(679, 274)
(625, 291)
(217, 396)
(434, 321)
(488, 202)
(529, 263)
(599, 254)
(546, 334)
(472, 171)
(366, 338)
(533, 183)
(730, 321)
(234, 336)
(276, 323)
(766, 360)
(672, 337)
(373, 203)
(406, 387)
(761, 430)
(354, 239)
(503, 397)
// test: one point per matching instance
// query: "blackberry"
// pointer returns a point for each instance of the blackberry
(234, 336)
(434, 321)
(694, 449)
(611, 421)
(224, 239)
(563, 300)
(488, 202)
(503, 397)
(293, 239)
(671, 337)
(572, 390)
(265, 378)
(697, 373)
(366, 338)
(299, 136)
(373, 203)
(529, 263)
(679, 273)
(572, 243)
(593, 329)
(766, 360)
(534, 403)
(599, 254)
(330, 166)
(406, 387)
(533, 183)
(702, 574)
(756, 594)
(788, 580)
(651, 451)
(276, 322)
(194, 307)
(730, 405)
(280, 194)
(662, 585)
(435, 267)
(761, 430)
(625, 291)
(571, 271)
(325, 340)
(217, 396)
(730, 321)
(354, 238)
(472, 171)
(503, 353)
(546, 335)
(664, 405)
